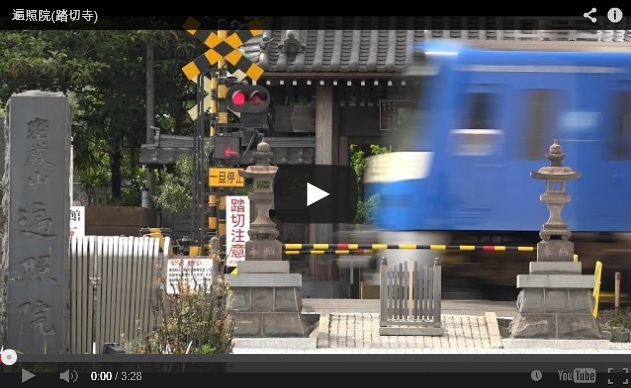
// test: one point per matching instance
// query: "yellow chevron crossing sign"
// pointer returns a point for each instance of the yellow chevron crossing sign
(227, 49)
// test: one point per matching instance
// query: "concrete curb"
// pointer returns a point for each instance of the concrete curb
(494, 330)
(323, 331)
(555, 344)
(283, 344)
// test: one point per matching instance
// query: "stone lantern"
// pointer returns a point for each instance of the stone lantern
(263, 243)
(555, 235)
(555, 300)
(265, 298)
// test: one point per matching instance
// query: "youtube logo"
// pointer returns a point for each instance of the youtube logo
(315, 194)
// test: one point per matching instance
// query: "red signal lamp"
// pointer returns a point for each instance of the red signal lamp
(258, 98)
(238, 98)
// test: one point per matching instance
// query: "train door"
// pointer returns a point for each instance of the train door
(541, 100)
(611, 193)
(476, 147)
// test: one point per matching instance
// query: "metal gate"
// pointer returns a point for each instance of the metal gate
(113, 284)
(410, 299)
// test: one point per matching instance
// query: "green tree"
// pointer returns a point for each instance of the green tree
(365, 207)
(104, 73)
(174, 194)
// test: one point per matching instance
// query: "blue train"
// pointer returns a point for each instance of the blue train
(460, 170)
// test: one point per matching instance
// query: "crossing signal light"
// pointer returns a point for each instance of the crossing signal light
(226, 147)
(250, 102)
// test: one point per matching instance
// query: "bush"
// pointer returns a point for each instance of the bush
(195, 321)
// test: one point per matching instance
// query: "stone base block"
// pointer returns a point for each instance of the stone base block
(554, 326)
(270, 324)
(542, 300)
(264, 280)
(555, 250)
(512, 343)
(555, 267)
(555, 281)
(261, 250)
(272, 266)
(265, 299)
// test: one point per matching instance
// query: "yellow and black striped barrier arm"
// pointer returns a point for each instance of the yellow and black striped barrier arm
(315, 249)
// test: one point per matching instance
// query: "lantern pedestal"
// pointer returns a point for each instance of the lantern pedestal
(265, 298)
(555, 301)
(266, 301)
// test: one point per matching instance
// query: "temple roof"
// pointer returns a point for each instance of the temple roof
(375, 45)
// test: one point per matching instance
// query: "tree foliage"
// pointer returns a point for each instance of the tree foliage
(365, 206)
(104, 74)
(175, 194)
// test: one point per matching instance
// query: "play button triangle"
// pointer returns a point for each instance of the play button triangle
(314, 194)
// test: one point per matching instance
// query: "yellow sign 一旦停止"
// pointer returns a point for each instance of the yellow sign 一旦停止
(225, 177)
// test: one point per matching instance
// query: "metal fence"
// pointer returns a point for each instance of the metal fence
(113, 283)
(410, 299)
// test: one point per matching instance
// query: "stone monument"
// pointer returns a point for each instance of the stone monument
(555, 301)
(265, 298)
(34, 286)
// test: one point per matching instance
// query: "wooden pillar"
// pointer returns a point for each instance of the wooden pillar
(324, 123)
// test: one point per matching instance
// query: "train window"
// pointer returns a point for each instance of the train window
(475, 142)
(477, 134)
(479, 113)
(539, 109)
(621, 141)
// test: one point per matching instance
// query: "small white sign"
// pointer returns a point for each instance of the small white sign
(194, 273)
(77, 221)
(237, 226)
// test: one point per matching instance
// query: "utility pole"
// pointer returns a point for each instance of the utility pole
(222, 56)
(150, 118)
(222, 119)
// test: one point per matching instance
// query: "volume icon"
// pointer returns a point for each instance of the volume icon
(69, 376)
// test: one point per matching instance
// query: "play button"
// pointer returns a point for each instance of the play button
(317, 194)
(26, 375)
(314, 194)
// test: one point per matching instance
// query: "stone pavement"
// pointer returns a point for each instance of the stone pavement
(361, 330)
(351, 326)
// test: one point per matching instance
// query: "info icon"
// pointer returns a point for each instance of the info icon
(614, 15)
(315, 194)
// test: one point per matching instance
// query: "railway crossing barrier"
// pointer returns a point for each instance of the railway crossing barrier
(410, 299)
(363, 249)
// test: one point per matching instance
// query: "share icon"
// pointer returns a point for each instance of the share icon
(588, 15)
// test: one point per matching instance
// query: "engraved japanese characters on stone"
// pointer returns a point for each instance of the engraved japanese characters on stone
(36, 222)
(37, 178)
(37, 153)
(35, 318)
(36, 269)
(37, 129)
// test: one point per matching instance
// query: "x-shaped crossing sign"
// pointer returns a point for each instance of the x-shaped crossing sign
(227, 49)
